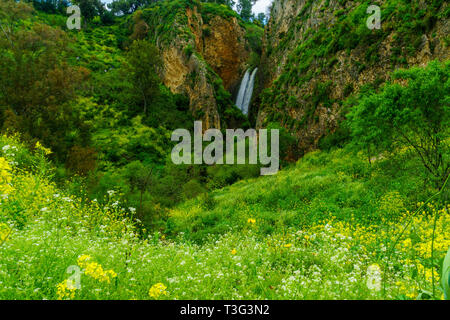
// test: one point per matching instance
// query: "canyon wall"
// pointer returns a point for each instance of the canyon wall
(318, 53)
(205, 53)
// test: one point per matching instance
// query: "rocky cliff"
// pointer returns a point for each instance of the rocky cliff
(205, 52)
(318, 53)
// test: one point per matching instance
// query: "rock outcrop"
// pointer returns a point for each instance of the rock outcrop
(317, 53)
(224, 48)
(204, 50)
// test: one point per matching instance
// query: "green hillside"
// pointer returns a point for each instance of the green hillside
(289, 236)
(93, 207)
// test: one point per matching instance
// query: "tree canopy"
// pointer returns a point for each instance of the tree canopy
(412, 110)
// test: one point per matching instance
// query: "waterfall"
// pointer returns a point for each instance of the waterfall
(244, 82)
(245, 91)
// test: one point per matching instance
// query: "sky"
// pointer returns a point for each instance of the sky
(260, 5)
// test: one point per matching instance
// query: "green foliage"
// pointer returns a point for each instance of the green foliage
(261, 19)
(322, 183)
(37, 88)
(337, 139)
(90, 8)
(51, 6)
(188, 51)
(415, 114)
(254, 35)
(142, 63)
(446, 275)
(288, 148)
(244, 7)
(167, 20)
(210, 9)
(122, 201)
(317, 52)
(229, 3)
(128, 6)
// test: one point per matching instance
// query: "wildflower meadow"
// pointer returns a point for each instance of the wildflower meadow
(57, 246)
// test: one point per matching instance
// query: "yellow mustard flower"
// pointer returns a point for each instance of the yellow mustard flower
(4, 232)
(157, 290)
(95, 270)
(40, 147)
(65, 291)
(5, 177)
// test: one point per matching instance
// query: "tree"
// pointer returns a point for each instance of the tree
(411, 111)
(81, 160)
(10, 14)
(128, 6)
(261, 17)
(36, 84)
(52, 6)
(142, 63)
(90, 8)
(140, 27)
(244, 8)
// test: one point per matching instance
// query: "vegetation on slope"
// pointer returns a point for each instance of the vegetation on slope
(89, 188)
(328, 49)
(45, 233)
(103, 133)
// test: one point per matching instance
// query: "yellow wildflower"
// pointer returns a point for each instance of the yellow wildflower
(40, 147)
(65, 290)
(5, 177)
(94, 269)
(157, 290)
(4, 232)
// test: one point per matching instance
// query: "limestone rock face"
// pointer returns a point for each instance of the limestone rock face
(176, 76)
(200, 54)
(225, 51)
(297, 79)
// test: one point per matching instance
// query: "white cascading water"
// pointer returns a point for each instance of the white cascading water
(245, 91)
(244, 82)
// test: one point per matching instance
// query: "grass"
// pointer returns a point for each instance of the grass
(301, 234)
(322, 184)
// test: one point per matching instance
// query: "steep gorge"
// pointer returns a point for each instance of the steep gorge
(315, 55)
(318, 53)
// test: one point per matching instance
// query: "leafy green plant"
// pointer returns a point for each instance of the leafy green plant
(446, 275)
(414, 114)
